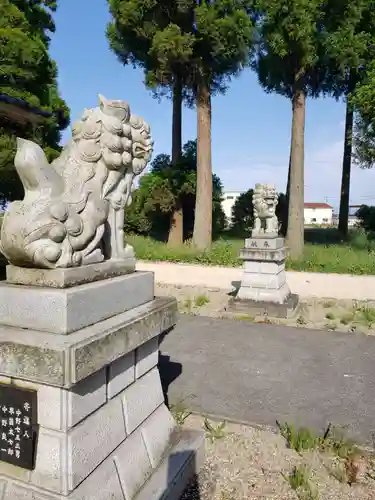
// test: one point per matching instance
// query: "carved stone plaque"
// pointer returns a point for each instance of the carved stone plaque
(18, 426)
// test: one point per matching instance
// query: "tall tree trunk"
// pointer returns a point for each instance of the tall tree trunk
(346, 167)
(202, 235)
(176, 231)
(284, 223)
(296, 191)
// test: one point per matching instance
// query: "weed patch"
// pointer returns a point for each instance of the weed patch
(214, 432)
(180, 412)
(301, 439)
(201, 300)
(330, 315)
(245, 317)
(299, 481)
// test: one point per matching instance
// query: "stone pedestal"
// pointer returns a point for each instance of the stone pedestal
(90, 352)
(263, 287)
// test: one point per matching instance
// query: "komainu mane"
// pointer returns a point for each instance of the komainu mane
(73, 210)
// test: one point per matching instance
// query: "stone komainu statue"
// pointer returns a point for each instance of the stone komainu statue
(73, 210)
(265, 200)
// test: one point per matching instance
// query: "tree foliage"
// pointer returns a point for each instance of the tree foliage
(142, 32)
(165, 187)
(191, 39)
(289, 62)
(349, 31)
(197, 46)
(347, 42)
(366, 216)
(27, 72)
(290, 46)
(363, 101)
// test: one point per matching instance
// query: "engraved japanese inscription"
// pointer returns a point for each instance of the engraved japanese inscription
(18, 426)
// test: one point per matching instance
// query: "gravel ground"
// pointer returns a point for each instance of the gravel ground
(340, 315)
(249, 463)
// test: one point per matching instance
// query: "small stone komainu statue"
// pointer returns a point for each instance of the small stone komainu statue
(265, 200)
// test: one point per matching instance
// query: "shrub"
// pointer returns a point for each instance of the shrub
(366, 215)
(166, 188)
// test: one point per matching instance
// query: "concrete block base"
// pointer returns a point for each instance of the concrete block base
(167, 481)
(264, 289)
(100, 446)
(284, 310)
(103, 429)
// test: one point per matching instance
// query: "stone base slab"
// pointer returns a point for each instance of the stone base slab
(263, 254)
(269, 267)
(181, 464)
(128, 448)
(113, 479)
(62, 409)
(285, 310)
(68, 277)
(271, 295)
(64, 459)
(67, 310)
(262, 234)
(129, 432)
(269, 281)
(264, 243)
(64, 360)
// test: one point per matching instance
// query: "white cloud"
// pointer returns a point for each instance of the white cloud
(323, 168)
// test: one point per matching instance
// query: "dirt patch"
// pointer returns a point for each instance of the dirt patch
(255, 463)
(321, 314)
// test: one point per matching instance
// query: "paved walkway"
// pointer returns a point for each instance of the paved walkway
(338, 286)
(260, 373)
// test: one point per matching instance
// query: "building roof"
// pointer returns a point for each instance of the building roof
(20, 110)
(317, 205)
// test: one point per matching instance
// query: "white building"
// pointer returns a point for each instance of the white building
(229, 199)
(314, 213)
(318, 213)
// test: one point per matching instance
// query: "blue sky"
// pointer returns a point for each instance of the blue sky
(250, 129)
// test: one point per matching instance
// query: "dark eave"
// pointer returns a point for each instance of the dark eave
(21, 111)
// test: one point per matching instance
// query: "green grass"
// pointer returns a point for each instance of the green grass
(299, 439)
(323, 253)
(299, 481)
(223, 252)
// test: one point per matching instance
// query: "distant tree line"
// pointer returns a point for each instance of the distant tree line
(166, 189)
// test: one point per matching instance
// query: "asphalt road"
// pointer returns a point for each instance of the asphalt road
(263, 373)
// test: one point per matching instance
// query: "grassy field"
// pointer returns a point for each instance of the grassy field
(324, 252)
